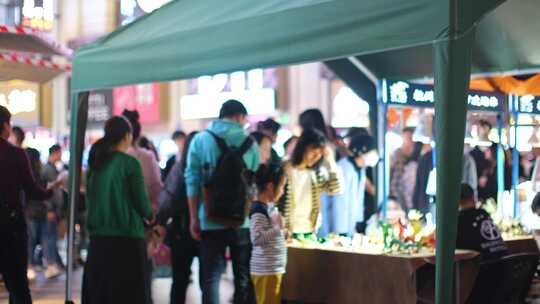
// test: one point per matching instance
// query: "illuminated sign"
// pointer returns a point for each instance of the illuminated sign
(19, 101)
(38, 14)
(527, 104)
(401, 93)
(254, 89)
(21, 98)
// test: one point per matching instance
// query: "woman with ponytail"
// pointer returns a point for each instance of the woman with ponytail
(117, 205)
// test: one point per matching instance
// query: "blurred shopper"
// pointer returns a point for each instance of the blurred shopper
(265, 146)
(268, 234)
(147, 144)
(423, 201)
(311, 171)
(174, 215)
(55, 207)
(483, 143)
(117, 205)
(403, 166)
(152, 181)
(179, 138)
(36, 214)
(476, 230)
(17, 137)
(212, 223)
(271, 128)
(487, 181)
(15, 177)
(347, 209)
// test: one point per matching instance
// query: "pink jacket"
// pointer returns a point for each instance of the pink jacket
(151, 172)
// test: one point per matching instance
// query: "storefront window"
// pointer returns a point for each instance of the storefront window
(10, 12)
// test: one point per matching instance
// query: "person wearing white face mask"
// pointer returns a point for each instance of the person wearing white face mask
(348, 208)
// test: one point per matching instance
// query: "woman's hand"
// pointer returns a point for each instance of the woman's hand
(329, 157)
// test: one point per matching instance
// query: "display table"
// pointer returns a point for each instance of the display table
(521, 244)
(327, 276)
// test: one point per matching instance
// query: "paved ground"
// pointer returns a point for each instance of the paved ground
(52, 291)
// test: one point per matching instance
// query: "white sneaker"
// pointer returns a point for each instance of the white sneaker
(52, 272)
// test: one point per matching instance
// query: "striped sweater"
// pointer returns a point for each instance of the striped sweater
(269, 254)
(323, 180)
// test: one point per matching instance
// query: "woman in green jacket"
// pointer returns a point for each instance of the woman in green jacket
(117, 205)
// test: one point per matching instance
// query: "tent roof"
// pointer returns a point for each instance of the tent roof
(189, 38)
(504, 43)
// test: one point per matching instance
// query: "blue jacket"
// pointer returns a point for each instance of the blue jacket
(341, 213)
(203, 155)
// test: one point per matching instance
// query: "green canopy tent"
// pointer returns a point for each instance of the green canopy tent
(189, 38)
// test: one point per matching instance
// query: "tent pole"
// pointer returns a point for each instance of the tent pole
(79, 116)
(382, 187)
(452, 74)
(500, 161)
(515, 158)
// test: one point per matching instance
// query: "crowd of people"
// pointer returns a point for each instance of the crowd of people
(225, 195)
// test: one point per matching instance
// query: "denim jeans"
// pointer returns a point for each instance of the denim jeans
(52, 247)
(37, 235)
(213, 245)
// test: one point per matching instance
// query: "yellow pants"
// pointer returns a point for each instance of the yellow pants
(267, 288)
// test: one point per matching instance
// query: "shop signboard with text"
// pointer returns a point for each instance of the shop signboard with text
(144, 98)
(401, 93)
(99, 107)
(527, 104)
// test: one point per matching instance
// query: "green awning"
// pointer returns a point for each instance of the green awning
(505, 43)
(189, 38)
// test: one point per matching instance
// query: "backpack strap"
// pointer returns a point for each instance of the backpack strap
(219, 141)
(246, 145)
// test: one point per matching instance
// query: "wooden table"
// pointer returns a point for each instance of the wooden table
(521, 244)
(326, 276)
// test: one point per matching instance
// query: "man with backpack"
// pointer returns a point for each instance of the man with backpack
(218, 188)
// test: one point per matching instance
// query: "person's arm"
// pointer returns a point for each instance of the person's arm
(193, 178)
(30, 186)
(260, 236)
(139, 197)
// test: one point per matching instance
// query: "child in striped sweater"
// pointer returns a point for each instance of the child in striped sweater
(269, 255)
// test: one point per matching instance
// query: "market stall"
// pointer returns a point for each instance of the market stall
(185, 39)
(402, 94)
